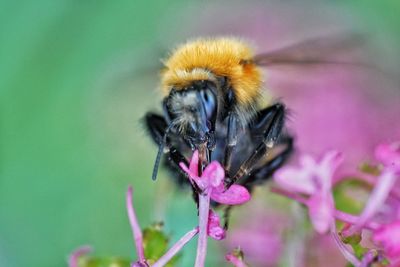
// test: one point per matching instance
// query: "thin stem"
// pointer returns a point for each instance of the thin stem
(175, 248)
(342, 247)
(368, 258)
(378, 196)
(74, 257)
(137, 232)
(204, 207)
(353, 219)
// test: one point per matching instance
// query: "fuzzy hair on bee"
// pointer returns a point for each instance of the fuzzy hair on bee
(212, 89)
(207, 59)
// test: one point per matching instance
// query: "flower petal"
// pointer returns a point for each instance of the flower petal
(194, 163)
(192, 170)
(327, 167)
(389, 237)
(320, 208)
(214, 226)
(214, 174)
(295, 180)
(235, 195)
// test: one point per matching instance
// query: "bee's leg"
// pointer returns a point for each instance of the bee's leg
(227, 214)
(156, 126)
(231, 140)
(274, 121)
(263, 173)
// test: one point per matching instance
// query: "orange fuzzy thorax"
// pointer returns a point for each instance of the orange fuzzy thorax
(204, 59)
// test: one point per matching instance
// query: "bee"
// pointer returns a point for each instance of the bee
(212, 103)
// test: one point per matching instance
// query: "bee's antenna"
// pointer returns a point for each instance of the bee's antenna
(160, 152)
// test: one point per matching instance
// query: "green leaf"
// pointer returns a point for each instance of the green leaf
(350, 195)
(156, 243)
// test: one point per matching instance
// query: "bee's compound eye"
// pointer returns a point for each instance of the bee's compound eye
(210, 103)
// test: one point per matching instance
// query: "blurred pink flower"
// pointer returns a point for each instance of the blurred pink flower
(389, 237)
(212, 179)
(315, 180)
(389, 155)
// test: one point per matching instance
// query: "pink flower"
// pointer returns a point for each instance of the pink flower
(214, 227)
(389, 155)
(389, 237)
(212, 181)
(314, 179)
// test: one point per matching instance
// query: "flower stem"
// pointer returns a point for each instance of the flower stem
(137, 232)
(353, 219)
(204, 206)
(377, 198)
(175, 248)
(342, 247)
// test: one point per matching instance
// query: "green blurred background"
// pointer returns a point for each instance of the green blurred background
(75, 79)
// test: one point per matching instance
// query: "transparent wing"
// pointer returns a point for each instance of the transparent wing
(322, 50)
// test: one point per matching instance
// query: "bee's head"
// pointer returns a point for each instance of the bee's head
(193, 111)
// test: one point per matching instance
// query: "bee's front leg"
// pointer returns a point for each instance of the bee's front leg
(273, 124)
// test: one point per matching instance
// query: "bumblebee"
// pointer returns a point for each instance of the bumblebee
(212, 90)
(213, 103)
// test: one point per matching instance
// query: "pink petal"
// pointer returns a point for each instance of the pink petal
(389, 237)
(235, 195)
(389, 155)
(185, 168)
(327, 167)
(311, 176)
(214, 174)
(214, 226)
(194, 164)
(295, 180)
(193, 170)
(201, 183)
(331, 160)
(320, 208)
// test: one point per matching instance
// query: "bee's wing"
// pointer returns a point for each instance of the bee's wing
(323, 50)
